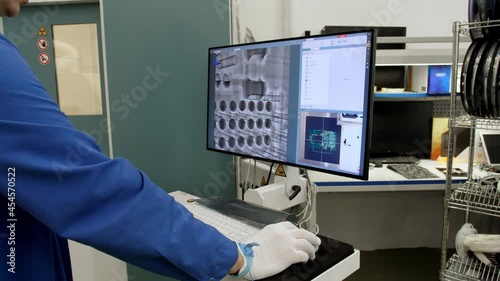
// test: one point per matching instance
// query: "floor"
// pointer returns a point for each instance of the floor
(399, 264)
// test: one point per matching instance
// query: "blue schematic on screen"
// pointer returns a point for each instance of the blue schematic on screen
(323, 137)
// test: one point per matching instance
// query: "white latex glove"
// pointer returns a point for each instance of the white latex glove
(279, 246)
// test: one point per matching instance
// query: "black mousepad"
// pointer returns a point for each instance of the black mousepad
(330, 253)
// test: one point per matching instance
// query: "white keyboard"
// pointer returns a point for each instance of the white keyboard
(229, 227)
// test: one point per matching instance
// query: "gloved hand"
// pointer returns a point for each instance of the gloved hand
(275, 248)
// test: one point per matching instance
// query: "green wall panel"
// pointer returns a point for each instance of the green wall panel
(159, 122)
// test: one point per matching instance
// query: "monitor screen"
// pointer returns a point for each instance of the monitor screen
(439, 79)
(402, 128)
(491, 146)
(304, 102)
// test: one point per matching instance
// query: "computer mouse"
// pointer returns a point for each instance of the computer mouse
(378, 164)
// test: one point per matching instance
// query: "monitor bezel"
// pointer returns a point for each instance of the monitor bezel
(485, 147)
(371, 84)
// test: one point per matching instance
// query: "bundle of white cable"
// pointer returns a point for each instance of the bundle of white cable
(466, 230)
(480, 244)
(486, 243)
(306, 213)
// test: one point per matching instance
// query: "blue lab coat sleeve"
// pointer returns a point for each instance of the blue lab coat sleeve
(66, 183)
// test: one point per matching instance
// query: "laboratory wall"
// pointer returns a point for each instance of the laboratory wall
(157, 62)
(421, 17)
(290, 18)
(157, 78)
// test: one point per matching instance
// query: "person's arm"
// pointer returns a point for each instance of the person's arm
(237, 266)
(65, 182)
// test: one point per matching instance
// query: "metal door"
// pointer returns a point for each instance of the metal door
(42, 32)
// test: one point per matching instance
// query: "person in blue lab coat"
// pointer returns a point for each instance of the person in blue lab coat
(101, 202)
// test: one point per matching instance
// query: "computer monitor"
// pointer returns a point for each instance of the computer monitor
(402, 128)
(393, 76)
(491, 146)
(382, 31)
(304, 102)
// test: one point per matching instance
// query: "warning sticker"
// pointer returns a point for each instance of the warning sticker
(42, 44)
(263, 181)
(42, 31)
(280, 171)
(43, 58)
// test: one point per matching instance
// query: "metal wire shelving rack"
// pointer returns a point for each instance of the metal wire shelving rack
(475, 198)
(470, 270)
(470, 196)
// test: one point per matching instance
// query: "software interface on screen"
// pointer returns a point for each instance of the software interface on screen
(303, 102)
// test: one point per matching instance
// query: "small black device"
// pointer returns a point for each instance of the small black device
(378, 163)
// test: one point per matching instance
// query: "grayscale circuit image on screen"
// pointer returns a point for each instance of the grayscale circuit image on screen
(304, 102)
(251, 96)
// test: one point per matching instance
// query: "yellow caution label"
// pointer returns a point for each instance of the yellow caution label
(280, 171)
(263, 181)
(42, 31)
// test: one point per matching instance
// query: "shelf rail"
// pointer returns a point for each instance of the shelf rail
(467, 121)
(469, 197)
(470, 270)
(477, 199)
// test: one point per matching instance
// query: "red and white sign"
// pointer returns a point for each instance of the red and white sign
(43, 58)
(42, 44)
